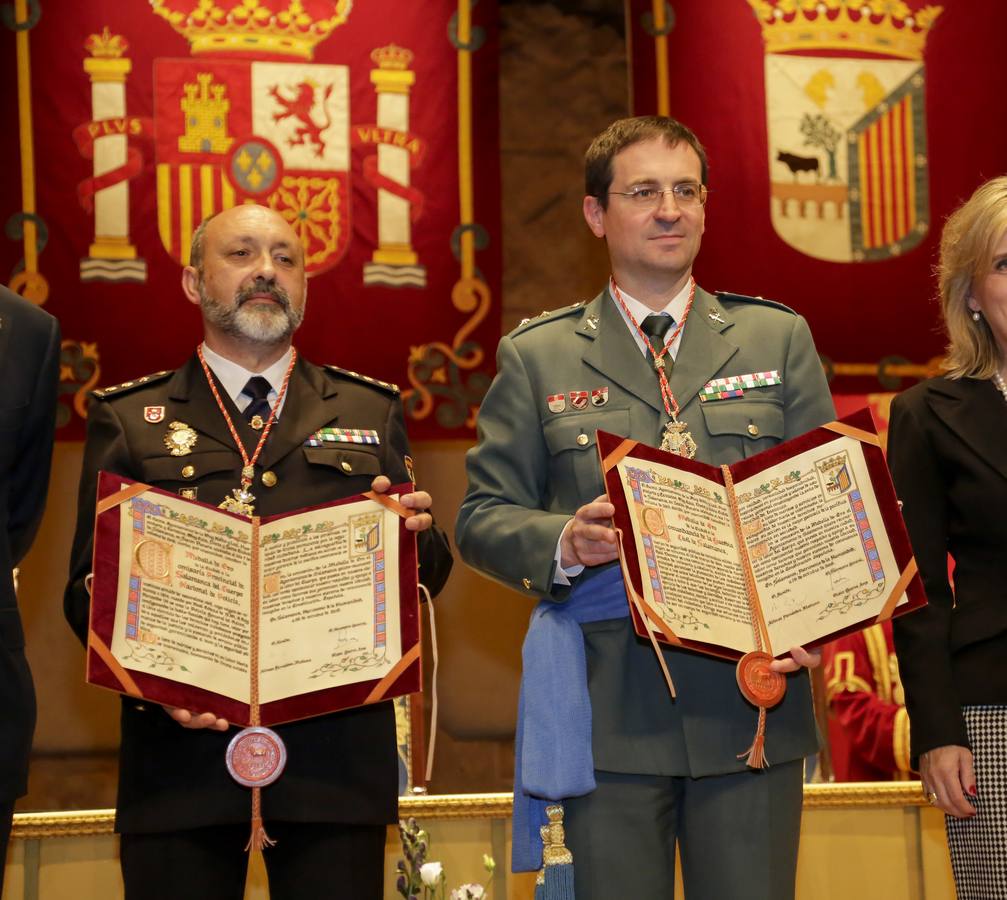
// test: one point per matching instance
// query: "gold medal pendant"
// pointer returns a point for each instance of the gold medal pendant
(677, 440)
(241, 501)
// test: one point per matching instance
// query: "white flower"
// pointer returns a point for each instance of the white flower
(431, 874)
(469, 892)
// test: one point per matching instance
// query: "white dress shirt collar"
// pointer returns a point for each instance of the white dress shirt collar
(675, 308)
(233, 377)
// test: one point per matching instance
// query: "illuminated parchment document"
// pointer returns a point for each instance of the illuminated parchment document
(814, 520)
(188, 579)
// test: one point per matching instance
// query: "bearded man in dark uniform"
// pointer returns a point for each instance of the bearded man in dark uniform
(183, 821)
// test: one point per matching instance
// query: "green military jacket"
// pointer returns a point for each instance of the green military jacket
(533, 467)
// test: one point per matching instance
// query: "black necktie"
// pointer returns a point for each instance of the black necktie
(656, 326)
(258, 389)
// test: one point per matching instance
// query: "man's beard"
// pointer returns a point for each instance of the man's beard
(262, 323)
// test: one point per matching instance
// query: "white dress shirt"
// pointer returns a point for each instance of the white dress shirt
(233, 377)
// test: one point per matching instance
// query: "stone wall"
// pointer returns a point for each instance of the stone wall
(562, 80)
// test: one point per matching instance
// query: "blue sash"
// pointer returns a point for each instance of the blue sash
(553, 758)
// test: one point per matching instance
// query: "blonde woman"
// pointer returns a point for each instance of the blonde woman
(948, 454)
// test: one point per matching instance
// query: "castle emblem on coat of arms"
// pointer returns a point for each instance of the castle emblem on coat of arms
(249, 116)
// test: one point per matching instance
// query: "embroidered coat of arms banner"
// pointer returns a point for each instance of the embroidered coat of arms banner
(840, 133)
(370, 125)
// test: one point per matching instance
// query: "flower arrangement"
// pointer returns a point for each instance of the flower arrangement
(422, 880)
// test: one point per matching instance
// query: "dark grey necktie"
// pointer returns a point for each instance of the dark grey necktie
(656, 327)
(258, 389)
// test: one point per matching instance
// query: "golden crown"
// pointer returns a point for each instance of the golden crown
(282, 27)
(392, 57)
(888, 27)
(106, 45)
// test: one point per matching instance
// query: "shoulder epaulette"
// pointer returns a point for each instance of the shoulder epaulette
(549, 315)
(366, 379)
(118, 389)
(745, 298)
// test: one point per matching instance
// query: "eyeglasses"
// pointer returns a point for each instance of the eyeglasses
(687, 194)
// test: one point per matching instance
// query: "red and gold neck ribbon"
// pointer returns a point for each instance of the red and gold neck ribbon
(671, 406)
(248, 462)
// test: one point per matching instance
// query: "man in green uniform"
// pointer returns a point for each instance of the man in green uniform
(246, 400)
(653, 772)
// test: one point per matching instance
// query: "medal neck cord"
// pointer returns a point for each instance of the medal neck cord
(248, 462)
(668, 398)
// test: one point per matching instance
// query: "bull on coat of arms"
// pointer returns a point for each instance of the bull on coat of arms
(846, 125)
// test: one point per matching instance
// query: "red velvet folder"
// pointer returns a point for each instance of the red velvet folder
(859, 425)
(105, 671)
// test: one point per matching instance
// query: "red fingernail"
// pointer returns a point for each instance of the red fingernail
(973, 791)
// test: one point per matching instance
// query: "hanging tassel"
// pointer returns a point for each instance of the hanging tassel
(755, 756)
(557, 861)
(258, 840)
(540, 876)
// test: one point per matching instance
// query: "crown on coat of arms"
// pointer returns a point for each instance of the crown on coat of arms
(888, 27)
(281, 27)
(392, 57)
(106, 45)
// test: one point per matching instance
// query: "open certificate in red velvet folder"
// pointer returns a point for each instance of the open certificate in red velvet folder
(177, 585)
(804, 541)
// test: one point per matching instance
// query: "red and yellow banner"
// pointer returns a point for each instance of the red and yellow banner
(841, 133)
(372, 128)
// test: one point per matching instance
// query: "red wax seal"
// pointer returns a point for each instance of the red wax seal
(760, 685)
(256, 757)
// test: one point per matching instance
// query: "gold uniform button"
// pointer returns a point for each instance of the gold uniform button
(188, 471)
(753, 429)
(582, 439)
(269, 478)
(527, 583)
(346, 466)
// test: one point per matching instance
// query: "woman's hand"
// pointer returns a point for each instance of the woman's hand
(947, 773)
